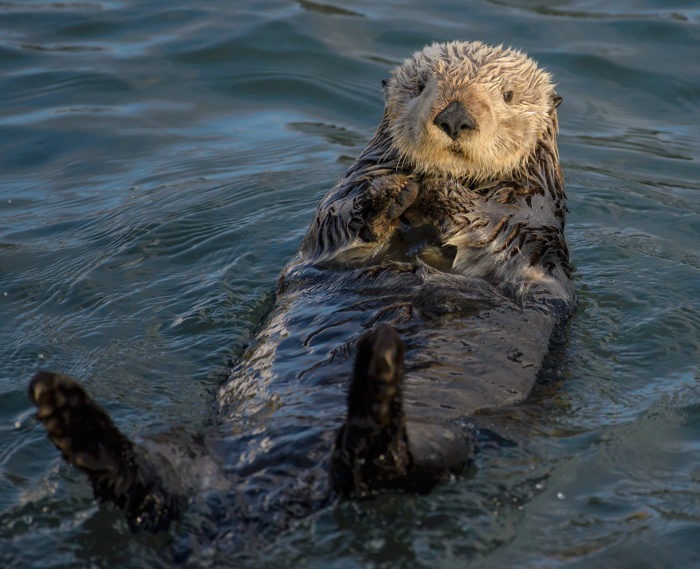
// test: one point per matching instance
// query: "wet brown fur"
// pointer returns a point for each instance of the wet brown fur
(494, 197)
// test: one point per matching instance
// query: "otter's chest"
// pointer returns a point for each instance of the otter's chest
(449, 218)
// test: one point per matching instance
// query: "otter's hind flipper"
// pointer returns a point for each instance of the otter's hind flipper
(376, 449)
(371, 449)
(120, 471)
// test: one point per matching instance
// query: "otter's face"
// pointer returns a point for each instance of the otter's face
(467, 110)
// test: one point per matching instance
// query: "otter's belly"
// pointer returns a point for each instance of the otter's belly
(468, 348)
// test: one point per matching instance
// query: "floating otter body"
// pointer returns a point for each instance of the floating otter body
(448, 229)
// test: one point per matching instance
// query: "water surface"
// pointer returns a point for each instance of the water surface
(160, 162)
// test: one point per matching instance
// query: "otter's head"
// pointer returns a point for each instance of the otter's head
(468, 110)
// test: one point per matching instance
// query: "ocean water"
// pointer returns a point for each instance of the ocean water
(160, 163)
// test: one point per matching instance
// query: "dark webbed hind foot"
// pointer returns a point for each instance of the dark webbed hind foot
(375, 448)
(120, 472)
(80, 429)
(371, 449)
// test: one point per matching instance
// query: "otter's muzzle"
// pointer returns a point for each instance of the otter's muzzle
(454, 119)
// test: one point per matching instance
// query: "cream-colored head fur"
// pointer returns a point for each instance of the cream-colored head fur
(512, 103)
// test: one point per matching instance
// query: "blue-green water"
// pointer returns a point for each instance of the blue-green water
(160, 162)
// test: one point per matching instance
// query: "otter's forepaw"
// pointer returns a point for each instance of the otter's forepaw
(404, 199)
(387, 198)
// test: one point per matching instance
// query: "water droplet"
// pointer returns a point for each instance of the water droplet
(376, 545)
(560, 495)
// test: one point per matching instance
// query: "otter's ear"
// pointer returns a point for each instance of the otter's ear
(556, 101)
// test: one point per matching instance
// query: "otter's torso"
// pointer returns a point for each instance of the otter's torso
(449, 227)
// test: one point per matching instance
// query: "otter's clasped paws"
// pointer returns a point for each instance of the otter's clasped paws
(384, 201)
(404, 199)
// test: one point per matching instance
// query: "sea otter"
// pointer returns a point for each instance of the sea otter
(438, 261)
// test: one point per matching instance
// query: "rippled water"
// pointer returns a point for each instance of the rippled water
(160, 162)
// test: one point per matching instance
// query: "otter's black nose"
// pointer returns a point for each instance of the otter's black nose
(454, 119)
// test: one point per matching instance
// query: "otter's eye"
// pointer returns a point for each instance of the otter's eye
(508, 96)
(420, 87)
